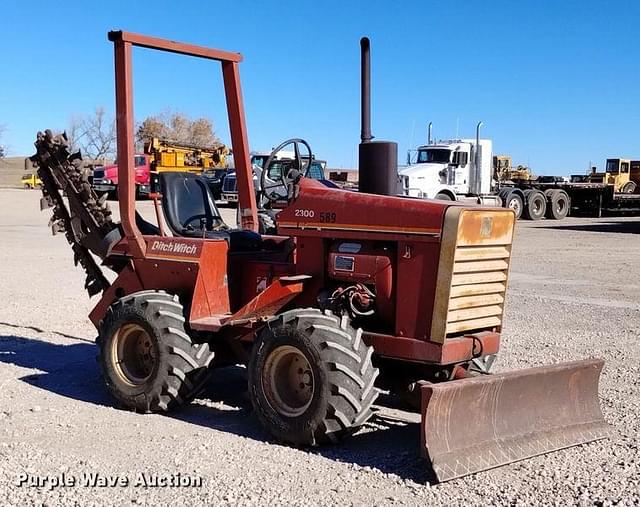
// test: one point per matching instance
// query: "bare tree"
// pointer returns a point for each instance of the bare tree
(179, 128)
(94, 135)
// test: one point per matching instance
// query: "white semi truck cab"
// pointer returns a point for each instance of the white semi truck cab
(452, 170)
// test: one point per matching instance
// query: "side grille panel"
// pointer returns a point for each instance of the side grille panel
(472, 272)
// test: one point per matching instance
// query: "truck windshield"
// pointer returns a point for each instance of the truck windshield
(612, 166)
(258, 160)
(437, 155)
(315, 171)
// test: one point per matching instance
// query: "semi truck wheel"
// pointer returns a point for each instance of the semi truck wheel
(443, 196)
(311, 379)
(514, 201)
(558, 204)
(535, 206)
(149, 362)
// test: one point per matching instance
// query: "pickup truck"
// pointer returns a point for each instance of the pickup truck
(105, 179)
(230, 187)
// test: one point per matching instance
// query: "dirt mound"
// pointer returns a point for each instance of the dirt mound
(11, 170)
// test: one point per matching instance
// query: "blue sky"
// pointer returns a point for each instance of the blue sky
(555, 82)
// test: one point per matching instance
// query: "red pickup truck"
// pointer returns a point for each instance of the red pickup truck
(105, 179)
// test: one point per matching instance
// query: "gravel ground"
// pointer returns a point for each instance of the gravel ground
(574, 293)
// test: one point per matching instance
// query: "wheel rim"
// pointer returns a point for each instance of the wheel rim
(560, 206)
(288, 381)
(537, 206)
(514, 204)
(133, 354)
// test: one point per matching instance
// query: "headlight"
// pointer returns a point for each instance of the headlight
(107, 182)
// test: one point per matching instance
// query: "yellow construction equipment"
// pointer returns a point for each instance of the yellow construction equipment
(623, 174)
(504, 171)
(167, 156)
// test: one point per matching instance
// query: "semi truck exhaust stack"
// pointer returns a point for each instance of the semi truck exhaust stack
(476, 175)
(377, 160)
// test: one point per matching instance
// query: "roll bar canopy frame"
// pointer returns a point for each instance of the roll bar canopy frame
(123, 42)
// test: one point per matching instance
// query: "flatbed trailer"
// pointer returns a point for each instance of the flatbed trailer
(587, 199)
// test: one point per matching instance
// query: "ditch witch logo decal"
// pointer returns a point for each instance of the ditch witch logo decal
(174, 249)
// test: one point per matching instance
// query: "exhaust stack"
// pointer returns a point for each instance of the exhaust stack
(377, 160)
(365, 91)
(475, 184)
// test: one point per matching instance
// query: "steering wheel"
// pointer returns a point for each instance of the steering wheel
(282, 188)
(187, 222)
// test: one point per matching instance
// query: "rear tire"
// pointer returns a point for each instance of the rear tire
(442, 196)
(149, 362)
(558, 204)
(26, 186)
(535, 206)
(311, 379)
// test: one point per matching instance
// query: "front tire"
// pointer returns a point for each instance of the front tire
(514, 201)
(311, 379)
(149, 362)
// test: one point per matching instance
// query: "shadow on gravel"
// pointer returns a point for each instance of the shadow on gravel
(40, 330)
(611, 227)
(68, 370)
(387, 444)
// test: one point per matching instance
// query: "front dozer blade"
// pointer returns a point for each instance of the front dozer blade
(478, 423)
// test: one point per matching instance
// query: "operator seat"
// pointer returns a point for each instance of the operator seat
(190, 211)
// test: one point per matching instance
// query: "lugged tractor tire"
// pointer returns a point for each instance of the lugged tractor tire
(148, 360)
(311, 379)
(535, 205)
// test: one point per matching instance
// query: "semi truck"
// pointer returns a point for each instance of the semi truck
(466, 170)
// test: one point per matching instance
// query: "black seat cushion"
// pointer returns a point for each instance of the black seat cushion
(188, 205)
(242, 241)
(146, 228)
